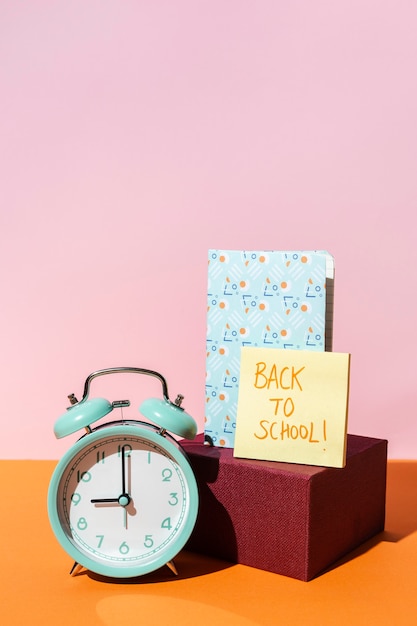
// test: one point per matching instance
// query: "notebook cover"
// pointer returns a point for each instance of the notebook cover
(262, 299)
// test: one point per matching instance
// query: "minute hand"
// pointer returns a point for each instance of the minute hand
(123, 472)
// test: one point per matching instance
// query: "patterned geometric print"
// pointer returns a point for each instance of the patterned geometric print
(263, 299)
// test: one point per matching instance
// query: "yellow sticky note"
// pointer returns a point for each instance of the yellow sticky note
(292, 406)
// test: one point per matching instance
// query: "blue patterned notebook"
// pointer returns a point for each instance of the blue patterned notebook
(262, 299)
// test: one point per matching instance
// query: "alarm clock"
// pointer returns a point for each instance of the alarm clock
(123, 500)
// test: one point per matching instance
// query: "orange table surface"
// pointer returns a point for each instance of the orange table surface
(375, 584)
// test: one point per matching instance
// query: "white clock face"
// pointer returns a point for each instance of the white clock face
(123, 501)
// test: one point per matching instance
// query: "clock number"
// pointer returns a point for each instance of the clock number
(127, 448)
(166, 475)
(76, 498)
(149, 457)
(100, 457)
(82, 523)
(174, 499)
(83, 476)
(167, 523)
(100, 540)
(124, 548)
(148, 543)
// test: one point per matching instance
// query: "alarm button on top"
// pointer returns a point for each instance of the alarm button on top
(81, 415)
(169, 416)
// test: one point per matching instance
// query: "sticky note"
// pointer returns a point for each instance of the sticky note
(293, 406)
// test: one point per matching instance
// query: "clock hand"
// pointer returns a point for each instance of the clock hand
(123, 471)
(124, 499)
(125, 487)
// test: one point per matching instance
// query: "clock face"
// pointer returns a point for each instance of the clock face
(123, 501)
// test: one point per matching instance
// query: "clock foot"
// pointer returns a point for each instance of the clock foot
(172, 567)
(75, 569)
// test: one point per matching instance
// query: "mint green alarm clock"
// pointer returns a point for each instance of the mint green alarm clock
(123, 500)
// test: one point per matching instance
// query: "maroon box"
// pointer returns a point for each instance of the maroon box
(290, 519)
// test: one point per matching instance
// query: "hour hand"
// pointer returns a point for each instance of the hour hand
(123, 500)
(104, 500)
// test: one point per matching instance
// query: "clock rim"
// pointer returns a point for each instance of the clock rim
(152, 434)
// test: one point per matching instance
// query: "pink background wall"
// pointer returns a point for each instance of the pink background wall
(135, 135)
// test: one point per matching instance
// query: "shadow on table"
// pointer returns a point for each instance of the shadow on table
(401, 502)
(188, 565)
(401, 509)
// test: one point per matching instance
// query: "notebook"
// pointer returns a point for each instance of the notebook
(279, 299)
